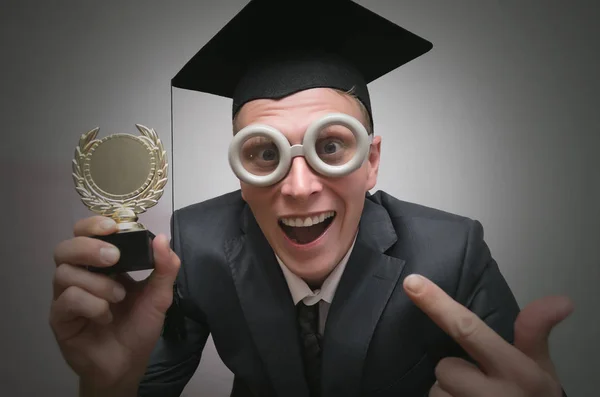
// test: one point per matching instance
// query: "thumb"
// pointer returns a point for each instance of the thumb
(166, 266)
(533, 327)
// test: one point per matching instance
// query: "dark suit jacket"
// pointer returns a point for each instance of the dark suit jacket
(376, 342)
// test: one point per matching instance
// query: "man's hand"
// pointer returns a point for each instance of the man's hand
(106, 327)
(522, 370)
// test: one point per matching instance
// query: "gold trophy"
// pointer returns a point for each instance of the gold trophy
(121, 176)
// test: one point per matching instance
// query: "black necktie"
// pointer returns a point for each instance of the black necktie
(310, 339)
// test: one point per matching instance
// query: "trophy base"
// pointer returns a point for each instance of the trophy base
(136, 252)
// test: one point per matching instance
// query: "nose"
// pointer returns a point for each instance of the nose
(301, 181)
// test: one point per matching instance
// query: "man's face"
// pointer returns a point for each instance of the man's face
(310, 252)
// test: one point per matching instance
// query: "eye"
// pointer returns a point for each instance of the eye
(330, 146)
(260, 150)
(268, 154)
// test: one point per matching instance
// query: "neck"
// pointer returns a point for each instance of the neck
(315, 284)
(317, 281)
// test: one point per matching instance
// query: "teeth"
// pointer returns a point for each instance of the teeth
(308, 221)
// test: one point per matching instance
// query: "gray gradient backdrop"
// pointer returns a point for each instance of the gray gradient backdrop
(499, 122)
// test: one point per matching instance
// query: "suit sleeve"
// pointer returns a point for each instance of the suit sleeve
(173, 362)
(483, 289)
(178, 351)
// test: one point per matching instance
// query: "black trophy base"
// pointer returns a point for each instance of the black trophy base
(136, 252)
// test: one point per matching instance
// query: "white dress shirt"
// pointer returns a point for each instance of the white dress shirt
(324, 296)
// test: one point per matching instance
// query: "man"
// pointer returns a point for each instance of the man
(306, 281)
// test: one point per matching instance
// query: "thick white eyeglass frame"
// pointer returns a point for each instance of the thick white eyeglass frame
(307, 149)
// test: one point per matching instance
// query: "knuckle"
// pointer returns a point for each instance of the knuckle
(465, 327)
(62, 274)
(58, 310)
(63, 306)
(58, 251)
(71, 294)
(86, 226)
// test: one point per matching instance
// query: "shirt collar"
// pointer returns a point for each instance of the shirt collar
(301, 291)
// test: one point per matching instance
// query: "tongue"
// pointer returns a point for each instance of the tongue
(305, 235)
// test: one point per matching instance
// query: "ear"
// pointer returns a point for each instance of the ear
(373, 162)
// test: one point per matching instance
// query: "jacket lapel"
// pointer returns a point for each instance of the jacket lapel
(368, 281)
(268, 307)
(365, 287)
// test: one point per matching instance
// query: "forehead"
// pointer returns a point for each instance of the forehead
(293, 114)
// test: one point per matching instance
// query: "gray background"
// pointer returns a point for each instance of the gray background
(499, 122)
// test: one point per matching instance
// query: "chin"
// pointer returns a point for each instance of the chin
(313, 272)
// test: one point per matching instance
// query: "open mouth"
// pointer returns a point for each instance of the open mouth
(305, 230)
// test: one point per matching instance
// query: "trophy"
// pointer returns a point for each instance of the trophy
(121, 176)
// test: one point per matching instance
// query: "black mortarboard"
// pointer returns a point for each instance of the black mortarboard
(274, 48)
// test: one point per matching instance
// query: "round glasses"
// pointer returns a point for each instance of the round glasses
(334, 146)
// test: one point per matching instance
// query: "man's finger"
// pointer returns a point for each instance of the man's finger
(437, 391)
(77, 303)
(493, 354)
(86, 251)
(533, 327)
(166, 266)
(95, 226)
(98, 285)
(461, 378)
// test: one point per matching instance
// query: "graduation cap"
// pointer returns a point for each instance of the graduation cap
(275, 48)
